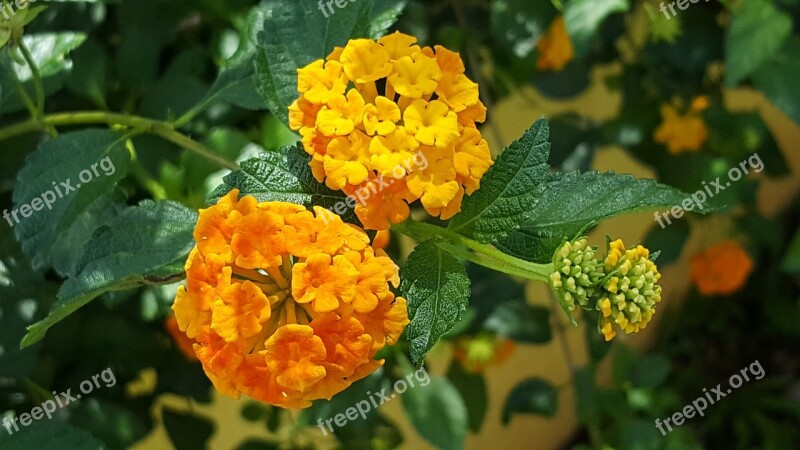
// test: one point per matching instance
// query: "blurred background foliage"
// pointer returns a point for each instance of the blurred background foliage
(159, 58)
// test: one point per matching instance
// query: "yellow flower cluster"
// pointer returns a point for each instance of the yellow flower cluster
(371, 108)
(682, 133)
(630, 294)
(285, 305)
(555, 47)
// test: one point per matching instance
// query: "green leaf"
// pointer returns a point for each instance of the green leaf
(285, 43)
(23, 291)
(51, 433)
(187, 431)
(472, 387)
(286, 177)
(791, 261)
(742, 136)
(64, 160)
(509, 188)
(437, 289)
(49, 52)
(89, 76)
(583, 19)
(519, 24)
(383, 15)
(532, 396)
(116, 424)
(569, 202)
(521, 322)
(777, 79)
(235, 83)
(756, 34)
(437, 411)
(146, 244)
(650, 371)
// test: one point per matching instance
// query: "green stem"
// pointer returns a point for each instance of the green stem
(37, 78)
(161, 129)
(481, 254)
(23, 94)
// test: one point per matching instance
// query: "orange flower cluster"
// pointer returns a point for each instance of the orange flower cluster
(374, 110)
(721, 269)
(555, 47)
(285, 305)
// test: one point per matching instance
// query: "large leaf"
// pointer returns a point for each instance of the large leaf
(235, 83)
(472, 387)
(777, 79)
(569, 202)
(437, 411)
(532, 396)
(23, 292)
(286, 43)
(282, 176)
(508, 190)
(143, 245)
(115, 423)
(757, 32)
(518, 24)
(583, 19)
(47, 172)
(521, 322)
(187, 431)
(45, 434)
(437, 289)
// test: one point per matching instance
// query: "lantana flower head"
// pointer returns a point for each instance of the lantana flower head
(630, 292)
(721, 269)
(623, 287)
(683, 133)
(373, 112)
(286, 305)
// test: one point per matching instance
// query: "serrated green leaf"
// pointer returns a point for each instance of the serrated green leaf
(583, 19)
(532, 396)
(503, 203)
(51, 433)
(63, 160)
(145, 244)
(569, 202)
(437, 289)
(282, 176)
(285, 44)
(757, 32)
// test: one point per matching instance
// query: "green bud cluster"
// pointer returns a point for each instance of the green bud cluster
(577, 273)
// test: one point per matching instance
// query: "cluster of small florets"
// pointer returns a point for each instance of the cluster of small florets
(577, 272)
(623, 287)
